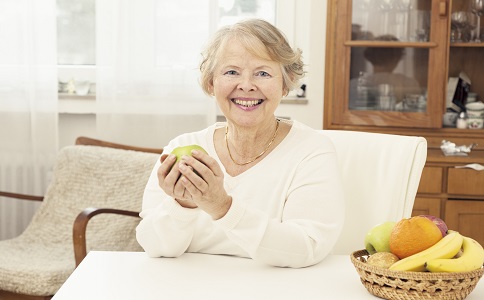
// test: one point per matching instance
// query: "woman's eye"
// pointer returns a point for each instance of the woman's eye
(231, 72)
(263, 74)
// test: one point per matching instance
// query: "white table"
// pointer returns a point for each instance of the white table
(133, 275)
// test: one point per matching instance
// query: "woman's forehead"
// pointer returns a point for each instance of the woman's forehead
(236, 46)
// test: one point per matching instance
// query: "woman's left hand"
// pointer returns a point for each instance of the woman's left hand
(207, 187)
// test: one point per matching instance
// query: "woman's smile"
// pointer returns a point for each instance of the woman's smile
(247, 104)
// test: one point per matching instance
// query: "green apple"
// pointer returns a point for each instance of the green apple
(377, 238)
(186, 150)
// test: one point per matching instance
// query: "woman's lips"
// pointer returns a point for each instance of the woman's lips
(247, 104)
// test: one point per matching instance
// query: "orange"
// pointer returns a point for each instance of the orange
(413, 235)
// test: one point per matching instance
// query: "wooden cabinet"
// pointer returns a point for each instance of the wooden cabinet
(366, 89)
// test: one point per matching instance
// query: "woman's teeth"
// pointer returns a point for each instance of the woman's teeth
(247, 103)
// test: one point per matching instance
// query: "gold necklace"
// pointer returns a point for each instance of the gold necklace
(260, 154)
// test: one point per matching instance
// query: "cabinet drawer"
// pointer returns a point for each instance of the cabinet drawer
(427, 206)
(466, 217)
(465, 182)
(431, 180)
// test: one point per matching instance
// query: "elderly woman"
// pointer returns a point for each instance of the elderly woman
(268, 189)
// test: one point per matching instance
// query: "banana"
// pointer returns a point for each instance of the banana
(471, 259)
(447, 247)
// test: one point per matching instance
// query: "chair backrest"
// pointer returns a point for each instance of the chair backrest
(83, 140)
(380, 174)
(93, 176)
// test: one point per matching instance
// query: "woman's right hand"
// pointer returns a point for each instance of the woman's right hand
(169, 180)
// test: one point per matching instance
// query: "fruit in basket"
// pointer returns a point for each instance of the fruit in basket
(447, 247)
(471, 259)
(439, 222)
(186, 150)
(413, 235)
(377, 238)
(382, 259)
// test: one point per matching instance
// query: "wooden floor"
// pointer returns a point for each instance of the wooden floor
(10, 296)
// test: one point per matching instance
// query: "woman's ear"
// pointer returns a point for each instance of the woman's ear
(285, 91)
(209, 88)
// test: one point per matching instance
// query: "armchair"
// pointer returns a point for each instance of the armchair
(91, 178)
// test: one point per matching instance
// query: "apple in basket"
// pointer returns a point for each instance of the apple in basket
(377, 239)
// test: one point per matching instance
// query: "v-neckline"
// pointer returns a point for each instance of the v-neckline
(211, 142)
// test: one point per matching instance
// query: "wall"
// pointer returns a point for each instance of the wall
(308, 32)
(310, 36)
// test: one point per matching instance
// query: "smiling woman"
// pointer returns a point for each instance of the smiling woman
(229, 200)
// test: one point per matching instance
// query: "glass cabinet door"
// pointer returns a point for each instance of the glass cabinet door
(466, 59)
(388, 69)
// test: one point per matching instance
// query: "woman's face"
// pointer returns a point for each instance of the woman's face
(247, 88)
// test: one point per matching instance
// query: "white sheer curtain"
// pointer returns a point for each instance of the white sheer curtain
(147, 69)
(28, 106)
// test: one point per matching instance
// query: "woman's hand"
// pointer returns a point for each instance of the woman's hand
(169, 180)
(202, 178)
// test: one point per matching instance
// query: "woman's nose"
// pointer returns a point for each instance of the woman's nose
(246, 83)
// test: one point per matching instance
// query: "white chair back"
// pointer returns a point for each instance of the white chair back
(380, 174)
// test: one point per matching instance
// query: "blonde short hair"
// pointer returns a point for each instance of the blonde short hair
(259, 38)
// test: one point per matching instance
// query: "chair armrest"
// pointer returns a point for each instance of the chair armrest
(80, 225)
(21, 196)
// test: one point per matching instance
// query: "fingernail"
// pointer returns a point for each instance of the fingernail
(195, 152)
(181, 166)
(172, 157)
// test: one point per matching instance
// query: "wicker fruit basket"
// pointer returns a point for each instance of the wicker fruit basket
(402, 285)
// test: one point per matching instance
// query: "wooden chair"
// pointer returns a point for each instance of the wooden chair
(91, 178)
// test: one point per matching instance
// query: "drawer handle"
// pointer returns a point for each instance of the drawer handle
(477, 167)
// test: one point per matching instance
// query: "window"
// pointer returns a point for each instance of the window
(76, 29)
(76, 22)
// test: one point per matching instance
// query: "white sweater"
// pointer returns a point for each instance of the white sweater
(287, 210)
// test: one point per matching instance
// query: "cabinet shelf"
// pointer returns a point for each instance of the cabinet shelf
(467, 45)
(390, 44)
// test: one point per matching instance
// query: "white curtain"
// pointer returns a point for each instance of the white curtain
(28, 106)
(148, 53)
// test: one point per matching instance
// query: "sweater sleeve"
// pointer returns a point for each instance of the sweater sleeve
(312, 218)
(166, 228)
